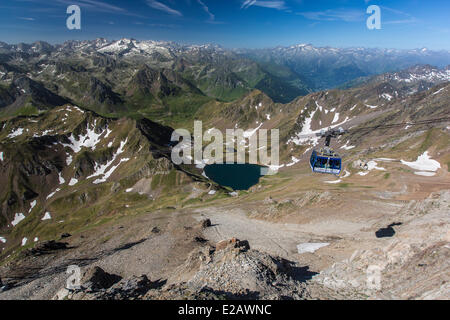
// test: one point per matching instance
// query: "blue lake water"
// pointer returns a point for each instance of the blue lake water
(235, 176)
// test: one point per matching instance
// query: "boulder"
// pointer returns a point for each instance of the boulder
(130, 288)
(233, 243)
(205, 223)
(95, 278)
(156, 230)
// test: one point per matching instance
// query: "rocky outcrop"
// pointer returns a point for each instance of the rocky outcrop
(100, 285)
(232, 270)
(132, 288)
(228, 270)
(96, 279)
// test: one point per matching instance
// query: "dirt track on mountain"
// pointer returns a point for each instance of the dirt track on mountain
(274, 238)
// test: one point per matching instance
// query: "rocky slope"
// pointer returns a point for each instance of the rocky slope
(413, 265)
(73, 158)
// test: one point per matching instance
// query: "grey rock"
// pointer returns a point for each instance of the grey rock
(95, 279)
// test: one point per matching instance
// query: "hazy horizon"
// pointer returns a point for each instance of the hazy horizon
(226, 47)
(405, 25)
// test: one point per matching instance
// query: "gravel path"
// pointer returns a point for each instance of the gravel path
(273, 238)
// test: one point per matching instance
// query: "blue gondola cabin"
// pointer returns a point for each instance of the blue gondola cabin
(325, 162)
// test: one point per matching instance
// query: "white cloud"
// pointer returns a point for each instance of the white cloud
(401, 21)
(404, 17)
(206, 9)
(348, 15)
(279, 5)
(162, 7)
(94, 4)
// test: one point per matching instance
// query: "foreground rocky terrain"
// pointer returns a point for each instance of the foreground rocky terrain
(175, 262)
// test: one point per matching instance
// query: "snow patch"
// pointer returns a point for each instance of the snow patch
(53, 193)
(371, 165)
(248, 133)
(17, 219)
(32, 205)
(68, 159)
(336, 117)
(386, 96)
(310, 247)
(271, 169)
(319, 106)
(24, 241)
(101, 169)
(335, 181)
(306, 130)
(89, 140)
(294, 161)
(347, 147)
(15, 133)
(423, 163)
(75, 108)
(73, 182)
(61, 179)
(47, 216)
(438, 91)
(307, 135)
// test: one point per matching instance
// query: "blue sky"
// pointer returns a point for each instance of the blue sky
(234, 23)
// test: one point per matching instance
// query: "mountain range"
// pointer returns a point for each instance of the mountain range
(85, 149)
(168, 80)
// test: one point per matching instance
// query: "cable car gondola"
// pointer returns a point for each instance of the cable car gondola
(326, 160)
